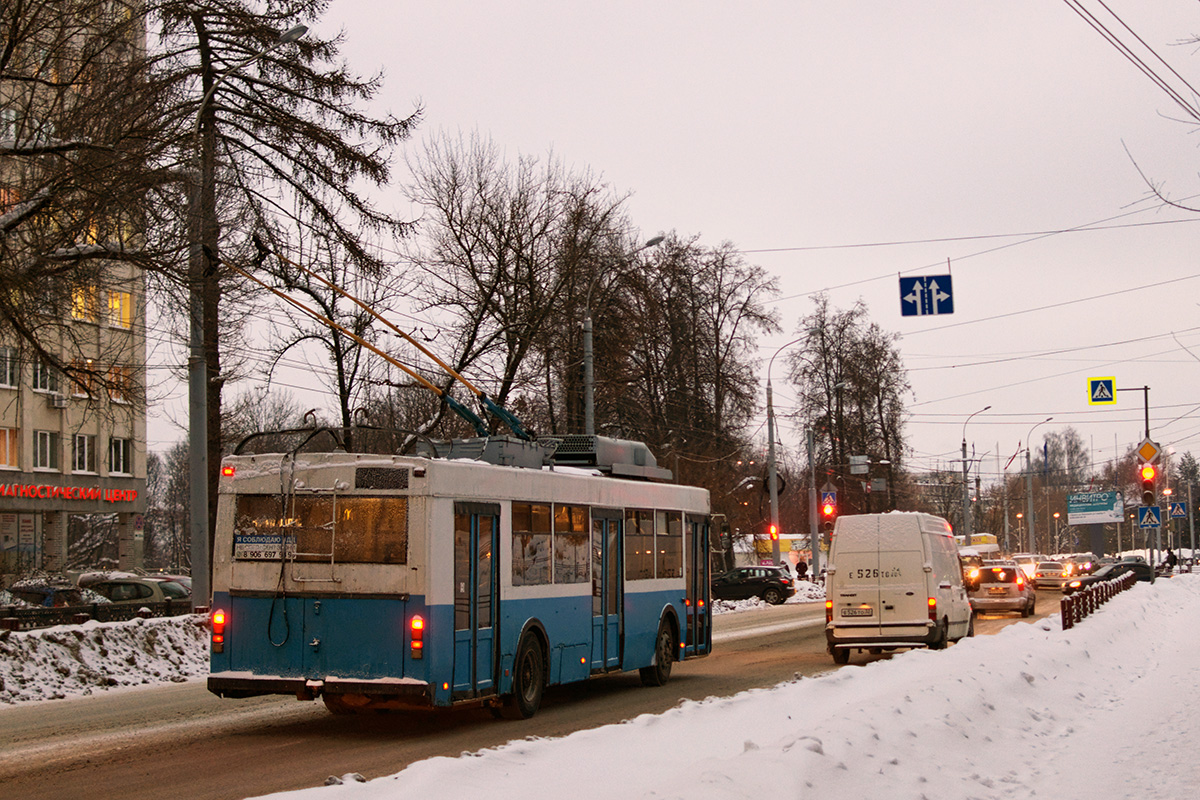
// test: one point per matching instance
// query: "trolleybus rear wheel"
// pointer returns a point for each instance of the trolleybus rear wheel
(664, 655)
(529, 680)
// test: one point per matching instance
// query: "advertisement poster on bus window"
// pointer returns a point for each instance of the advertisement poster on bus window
(1088, 508)
(255, 546)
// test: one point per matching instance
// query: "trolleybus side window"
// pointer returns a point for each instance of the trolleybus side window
(356, 530)
(668, 544)
(570, 544)
(531, 544)
(639, 544)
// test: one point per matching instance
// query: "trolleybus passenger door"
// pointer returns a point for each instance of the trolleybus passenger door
(697, 637)
(476, 600)
(607, 588)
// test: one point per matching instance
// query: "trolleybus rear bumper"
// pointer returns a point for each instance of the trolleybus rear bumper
(234, 684)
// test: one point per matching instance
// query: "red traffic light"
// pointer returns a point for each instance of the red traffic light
(774, 532)
(828, 510)
(1148, 472)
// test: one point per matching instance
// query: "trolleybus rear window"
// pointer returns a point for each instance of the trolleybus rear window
(343, 529)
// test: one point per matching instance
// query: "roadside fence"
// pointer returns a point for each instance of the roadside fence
(1077, 606)
(20, 618)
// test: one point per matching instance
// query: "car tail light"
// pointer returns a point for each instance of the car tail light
(217, 623)
(828, 611)
(1020, 580)
(417, 641)
(933, 608)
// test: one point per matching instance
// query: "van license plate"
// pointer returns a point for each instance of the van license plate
(857, 612)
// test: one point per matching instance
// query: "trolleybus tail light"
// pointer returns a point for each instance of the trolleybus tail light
(417, 629)
(218, 630)
(933, 609)
(228, 470)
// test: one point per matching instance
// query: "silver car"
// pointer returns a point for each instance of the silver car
(1002, 586)
(1050, 575)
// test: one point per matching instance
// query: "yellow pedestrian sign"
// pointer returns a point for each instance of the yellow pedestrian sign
(1102, 391)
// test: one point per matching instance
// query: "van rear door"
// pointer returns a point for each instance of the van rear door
(856, 596)
(902, 577)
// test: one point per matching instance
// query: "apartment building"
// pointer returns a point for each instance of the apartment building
(72, 415)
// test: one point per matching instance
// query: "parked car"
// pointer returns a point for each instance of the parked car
(1140, 569)
(1050, 575)
(48, 594)
(1002, 587)
(142, 590)
(772, 584)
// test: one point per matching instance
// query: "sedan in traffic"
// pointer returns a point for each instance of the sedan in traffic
(1002, 587)
(1050, 575)
(1140, 569)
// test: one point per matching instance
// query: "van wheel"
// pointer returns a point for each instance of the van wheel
(664, 655)
(841, 655)
(772, 596)
(971, 626)
(941, 638)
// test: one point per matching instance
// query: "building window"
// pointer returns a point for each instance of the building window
(45, 377)
(120, 383)
(10, 447)
(83, 303)
(45, 450)
(85, 454)
(8, 124)
(120, 310)
(10, 372)
(120, 456)
(83, 379)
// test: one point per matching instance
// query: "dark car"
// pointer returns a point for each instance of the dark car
(1140, 569)
(48, 595)
(772, 584)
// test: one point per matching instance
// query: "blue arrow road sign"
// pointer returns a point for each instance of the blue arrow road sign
(1177, 510)
(1149, 517)
(926, 296)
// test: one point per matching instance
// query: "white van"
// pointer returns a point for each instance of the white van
(894, 580)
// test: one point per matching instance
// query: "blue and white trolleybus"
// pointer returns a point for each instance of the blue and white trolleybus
(471, 572)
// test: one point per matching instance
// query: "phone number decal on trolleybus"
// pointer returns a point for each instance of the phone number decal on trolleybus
(476, 571)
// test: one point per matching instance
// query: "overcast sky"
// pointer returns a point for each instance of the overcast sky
(806, 132)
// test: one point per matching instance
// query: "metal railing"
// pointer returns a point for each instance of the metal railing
(1076, 606)
(20, 618)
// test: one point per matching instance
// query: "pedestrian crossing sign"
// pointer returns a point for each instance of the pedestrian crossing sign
(1102, 391)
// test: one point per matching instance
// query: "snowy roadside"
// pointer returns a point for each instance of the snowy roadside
(76, 660)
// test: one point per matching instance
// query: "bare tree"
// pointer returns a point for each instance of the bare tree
(851, 385)
(79, 132)
(506, 250)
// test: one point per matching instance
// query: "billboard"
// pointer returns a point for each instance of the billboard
(1088, 508)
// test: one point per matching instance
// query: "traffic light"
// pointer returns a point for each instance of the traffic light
(1148, 473)
(774, 531)
(828, 515)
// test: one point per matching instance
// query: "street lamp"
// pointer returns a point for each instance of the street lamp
(589, 378)
(773, 476)
(202, 218)
(1029, 487)
(966, 502)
